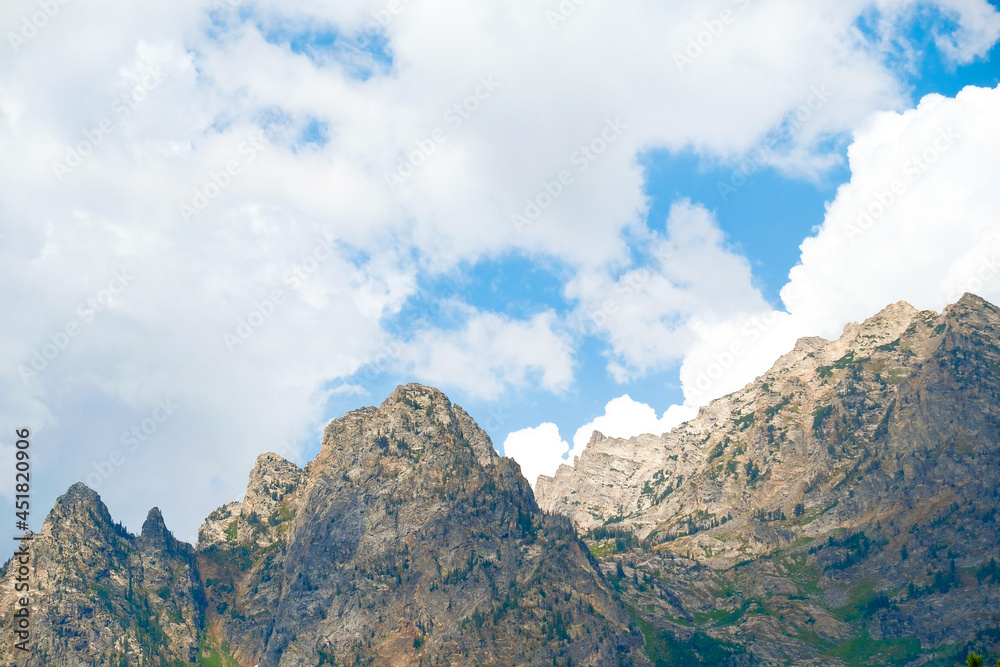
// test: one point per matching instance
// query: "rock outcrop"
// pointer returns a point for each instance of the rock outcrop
(100, 596)
(414, 543)
(408, 541)
(863, 471)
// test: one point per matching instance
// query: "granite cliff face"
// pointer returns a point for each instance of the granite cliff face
(102, 596)
(407, 541)
(846, 498)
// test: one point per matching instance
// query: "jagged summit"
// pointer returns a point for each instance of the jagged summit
(270, 458)
(155, 532)
(411, 393)
(975, 302)
(80, 503)
(406, 510)
(79, 494)
(894, 341)
(411, 413)
(153, 525)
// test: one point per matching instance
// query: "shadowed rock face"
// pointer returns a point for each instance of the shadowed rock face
(825, 487)
(408, 541)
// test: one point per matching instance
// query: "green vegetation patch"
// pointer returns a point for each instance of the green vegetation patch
(665, 649)
(211, 654)
(863, 650)
(745, 422)
(848, 360)
(820, 415)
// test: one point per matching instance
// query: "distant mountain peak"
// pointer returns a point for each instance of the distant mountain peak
(414, 393)
(79, 494)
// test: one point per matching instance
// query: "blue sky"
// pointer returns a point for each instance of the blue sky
(765, 219)
(277, 212)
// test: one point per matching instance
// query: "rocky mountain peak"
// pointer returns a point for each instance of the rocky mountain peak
(79, 495)
(884, 327)
(154, 531)
(971, 306)
(401, 427)
(80, 503)
(271, 479)
(973, 301)
(399, 540)
(414, 393)
(272, 497)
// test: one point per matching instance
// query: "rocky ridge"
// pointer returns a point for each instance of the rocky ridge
(839, 510)
(407, 541)
(847, 497)
(102, 596)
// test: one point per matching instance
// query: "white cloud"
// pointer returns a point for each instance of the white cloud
(541, 450)
(649, 315)
(491, 353)
(917, 222)
(975, 27)
(624, 418)
(221, 82)
(912, 220)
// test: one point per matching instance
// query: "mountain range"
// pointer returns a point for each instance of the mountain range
(840, 509)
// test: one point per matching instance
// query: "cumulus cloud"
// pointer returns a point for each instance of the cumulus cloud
(624, 418)
(490, 353)
(235, 162)
(648, 313)
(917, 222)
(541, 450)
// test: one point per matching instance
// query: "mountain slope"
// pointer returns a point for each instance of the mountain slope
(101, 596)
(408, 541)
(849, 471)
(416, 544)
